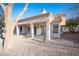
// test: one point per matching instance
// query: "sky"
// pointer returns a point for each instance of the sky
(35, 8)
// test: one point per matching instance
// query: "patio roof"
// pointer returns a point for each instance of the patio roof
(34, 17)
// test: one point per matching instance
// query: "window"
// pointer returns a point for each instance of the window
(20, 28)
(55, 28)
(28, 28)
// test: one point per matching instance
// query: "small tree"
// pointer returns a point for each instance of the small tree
(76, 20)
(70, 23)
(2, 24)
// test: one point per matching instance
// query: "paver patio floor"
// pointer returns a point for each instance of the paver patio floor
(25, 46)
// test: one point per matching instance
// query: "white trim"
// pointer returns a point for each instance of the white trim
(17, 30)
(48, 29)
(32, 30)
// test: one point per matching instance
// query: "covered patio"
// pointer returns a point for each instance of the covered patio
(39, 29)
(35, 28)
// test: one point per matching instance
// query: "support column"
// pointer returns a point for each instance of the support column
(32, 30)
(48, 30)
(59, 33)
(17, 29)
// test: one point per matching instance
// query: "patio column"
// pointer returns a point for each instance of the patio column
(59, 33)
(17, 29)
(48, 30)
(32, 30)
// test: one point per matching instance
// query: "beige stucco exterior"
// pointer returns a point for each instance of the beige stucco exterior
(42, 24)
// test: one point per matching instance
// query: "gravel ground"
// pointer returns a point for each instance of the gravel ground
(25, 46)
(74, 37)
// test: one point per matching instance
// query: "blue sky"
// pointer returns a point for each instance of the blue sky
(34, 9)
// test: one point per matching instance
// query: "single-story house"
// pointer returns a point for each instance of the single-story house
(44, 24)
